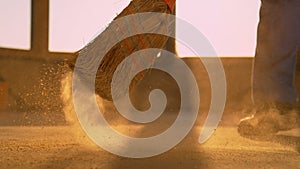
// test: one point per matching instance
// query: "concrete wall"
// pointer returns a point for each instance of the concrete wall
(33, 92)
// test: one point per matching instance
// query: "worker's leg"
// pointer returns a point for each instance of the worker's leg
(277, 44)
(274, 91)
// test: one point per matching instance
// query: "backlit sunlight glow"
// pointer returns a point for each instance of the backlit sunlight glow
(15, 23)
(229, 25)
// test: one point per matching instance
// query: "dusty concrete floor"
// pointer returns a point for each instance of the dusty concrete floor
(68, 147)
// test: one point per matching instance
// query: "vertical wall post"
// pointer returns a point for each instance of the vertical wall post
(39, 26)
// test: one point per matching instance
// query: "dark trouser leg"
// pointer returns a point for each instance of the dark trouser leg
(277, 44)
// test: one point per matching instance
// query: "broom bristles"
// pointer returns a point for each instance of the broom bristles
(128, 46)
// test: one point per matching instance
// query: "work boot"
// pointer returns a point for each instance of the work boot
(268, 119)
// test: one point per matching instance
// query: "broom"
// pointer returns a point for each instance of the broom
(126, 47)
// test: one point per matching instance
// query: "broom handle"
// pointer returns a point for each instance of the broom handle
(171, 4)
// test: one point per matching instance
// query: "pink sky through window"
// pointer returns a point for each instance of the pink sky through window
(230, 25)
